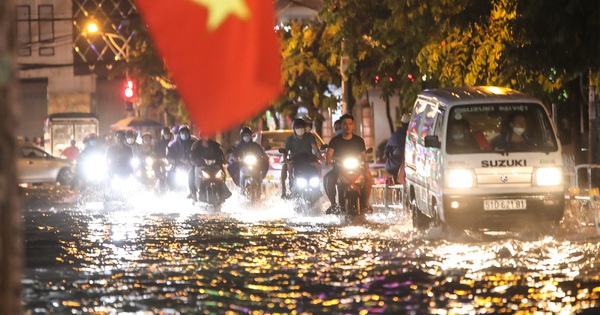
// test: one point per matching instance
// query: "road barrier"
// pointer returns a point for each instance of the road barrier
(387, 196)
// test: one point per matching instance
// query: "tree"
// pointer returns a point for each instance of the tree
(309, 68)
(11, 250)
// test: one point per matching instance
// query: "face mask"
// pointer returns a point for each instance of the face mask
(166, 137)
(246, 138)
(92, 142)
(146, 142)
(339, 132)
(184, 137)
(300, 131)
(519, 130)
(458, 136)
(130, 140)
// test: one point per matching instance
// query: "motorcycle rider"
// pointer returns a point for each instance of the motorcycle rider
(160, 153)
(160, 147)
(91, 148)
(179, 149)
(347, 144)
(206, 149)
(296, 145)
(119, 156)
(247, 146)
(130, 138)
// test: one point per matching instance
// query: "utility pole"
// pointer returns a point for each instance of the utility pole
(593, 133)
(11, 245)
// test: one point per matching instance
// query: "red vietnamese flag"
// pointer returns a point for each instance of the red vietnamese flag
(223, 55)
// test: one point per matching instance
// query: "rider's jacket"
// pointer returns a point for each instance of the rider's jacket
(118, 158)
(210, 152)
(247, 148)
(178, 151)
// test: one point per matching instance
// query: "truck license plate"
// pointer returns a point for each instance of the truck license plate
(505, 204)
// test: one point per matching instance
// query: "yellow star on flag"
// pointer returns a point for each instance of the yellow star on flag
(219, 10)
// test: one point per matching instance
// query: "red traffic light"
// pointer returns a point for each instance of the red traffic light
(128, 89)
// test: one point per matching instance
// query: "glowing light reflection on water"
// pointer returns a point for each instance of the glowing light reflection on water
(149, 254)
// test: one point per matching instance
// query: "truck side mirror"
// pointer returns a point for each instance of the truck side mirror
(432, 142)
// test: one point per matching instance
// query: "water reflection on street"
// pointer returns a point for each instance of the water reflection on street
(150, 255)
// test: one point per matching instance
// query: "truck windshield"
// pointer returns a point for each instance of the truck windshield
(480, 128)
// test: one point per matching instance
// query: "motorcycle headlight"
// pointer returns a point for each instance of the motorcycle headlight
(181, 176)
(250, 159)
(95, 168)
(314, 182)
(549, 176)
(301, 182)
(350, 163)
(149, 161)
(459, 179)
(135, 162)
(205, 175)
(221, 174)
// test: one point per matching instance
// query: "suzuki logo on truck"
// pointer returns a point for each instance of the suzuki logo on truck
(503, 163)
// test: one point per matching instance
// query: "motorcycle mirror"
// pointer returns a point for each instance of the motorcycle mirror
(268, 147)
(282, 151)
(324, 147)
(369, 150)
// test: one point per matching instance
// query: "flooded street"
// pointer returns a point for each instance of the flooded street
(150, 255)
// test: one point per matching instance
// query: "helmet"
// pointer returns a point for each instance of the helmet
(245, 130)
(120, 133)
(131, 134)
(298, 123)
(175, 129)
(165, 131)
(183, 128)
(308, 121)
(146, 134)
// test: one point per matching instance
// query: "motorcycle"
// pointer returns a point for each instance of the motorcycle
(177, 176)
(351, 183)
(144, 169)
(208, 179)
(93, 170)
(305, 180)
(250, 177)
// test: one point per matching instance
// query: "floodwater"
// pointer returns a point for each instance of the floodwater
(150, 255)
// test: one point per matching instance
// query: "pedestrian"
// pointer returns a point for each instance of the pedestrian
(72, 152)
(394, 151)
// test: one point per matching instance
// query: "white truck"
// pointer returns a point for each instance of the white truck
(482, 156)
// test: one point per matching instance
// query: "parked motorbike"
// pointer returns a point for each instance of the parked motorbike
(305, 180)
(351, 183)
(208, 179)
(250, 177)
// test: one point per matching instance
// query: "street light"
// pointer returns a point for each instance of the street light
(120, 50)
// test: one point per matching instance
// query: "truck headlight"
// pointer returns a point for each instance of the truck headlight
(459, 179)
(549, 176)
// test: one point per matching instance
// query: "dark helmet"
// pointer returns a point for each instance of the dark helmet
(147, 134)
(165, 131)
(184, 128)
(120, 133)
(308, 121)
(245, 130)
(131, 134)
(298, 123)
(175, 129)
